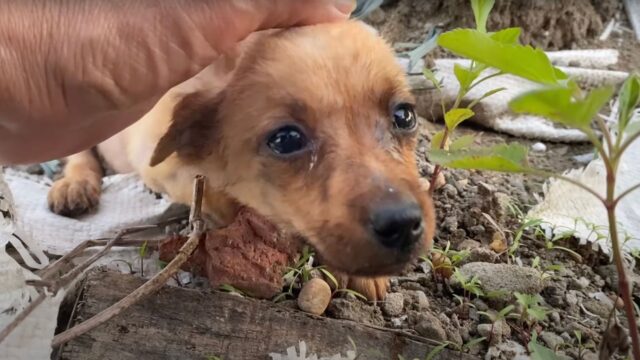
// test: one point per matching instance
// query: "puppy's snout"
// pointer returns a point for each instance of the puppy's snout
(398, 226)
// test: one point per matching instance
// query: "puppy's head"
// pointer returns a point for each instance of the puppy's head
(316, 131)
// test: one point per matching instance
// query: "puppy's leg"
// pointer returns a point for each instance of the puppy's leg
(373, 288)
(78, 191)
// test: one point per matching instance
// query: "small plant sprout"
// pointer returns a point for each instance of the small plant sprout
(530, 310)
(495, 317)
(142, 252)
(469, 285)
(301, 272)
(444, 261)
(557, 98)
(539, 351)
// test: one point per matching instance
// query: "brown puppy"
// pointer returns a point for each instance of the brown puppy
(312, 127)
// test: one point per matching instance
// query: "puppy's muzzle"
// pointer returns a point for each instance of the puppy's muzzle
(398, 225)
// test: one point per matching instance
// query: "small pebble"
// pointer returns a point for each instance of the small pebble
(539, 147)
(579, 284)
(314, 296)
(393, 304)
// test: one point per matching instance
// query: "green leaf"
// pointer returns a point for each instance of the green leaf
(143, 249)
(524, 61)
(481, 10)
(629, 99)
(431, 76)
(331, 277)
(507, 36)
(505, 158)
(557, 104)
(539, 352)
(454, 117)
(462, 142)
(538, 313)
(436, 351)
(473, 342)
(491, 92)
(506, 311)
(465, 76)
(436, 140)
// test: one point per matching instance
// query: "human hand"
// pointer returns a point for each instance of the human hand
(75, 72)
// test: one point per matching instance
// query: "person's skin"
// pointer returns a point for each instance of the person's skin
(75, 72)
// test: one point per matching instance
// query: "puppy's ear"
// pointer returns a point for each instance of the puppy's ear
(192, 133)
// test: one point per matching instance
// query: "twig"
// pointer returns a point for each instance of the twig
(47, 282)
(155, 283)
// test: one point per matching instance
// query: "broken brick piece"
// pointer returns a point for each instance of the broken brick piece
(250, 254)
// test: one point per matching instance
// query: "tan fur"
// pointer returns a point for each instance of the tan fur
(337, 82)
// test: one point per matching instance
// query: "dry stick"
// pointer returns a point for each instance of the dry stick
(153, 284)
(53, 286)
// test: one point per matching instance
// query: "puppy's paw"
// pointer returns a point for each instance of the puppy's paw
(373, 288)
(73, 197)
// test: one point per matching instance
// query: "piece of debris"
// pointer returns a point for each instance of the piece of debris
(539, 147)
(250, 254)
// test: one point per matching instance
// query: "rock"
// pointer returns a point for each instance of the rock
(450, 191)
(480, 304)
(552, 340)
(598, 307)
(555, 317)
(453, 335)
(579, 284)
(482, 254)
(355, 310)
(469, 244)
(566, 337)
(585, 331)
(314, 296)
(399, 321)
(450, 223)
(503, 280)
(508, 350)
(500, 330)
(393, 304)
(417, 300)
(539, 147)
(430, 327)
(610, 276)
(571, 298)
(589, 355)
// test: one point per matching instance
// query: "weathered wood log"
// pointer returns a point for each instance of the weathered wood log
(179, 323)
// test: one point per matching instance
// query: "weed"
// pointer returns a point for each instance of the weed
(530, 310)
(495, 317)
(558, 99)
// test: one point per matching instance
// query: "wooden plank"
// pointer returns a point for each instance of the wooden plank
(633, 12)
(179, 323)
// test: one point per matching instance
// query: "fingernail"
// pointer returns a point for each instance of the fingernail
(346, 6)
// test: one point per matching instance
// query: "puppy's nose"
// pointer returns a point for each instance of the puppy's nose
(398, 226)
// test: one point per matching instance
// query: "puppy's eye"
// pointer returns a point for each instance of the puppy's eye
(404, 117)
(287, 140)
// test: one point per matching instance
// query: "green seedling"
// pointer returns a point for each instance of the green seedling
(495, 317)
(443, 262)
(559, 99)
(539, 351)
(531, 311)
(142, 252)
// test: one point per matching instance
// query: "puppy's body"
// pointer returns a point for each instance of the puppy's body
(333, 94)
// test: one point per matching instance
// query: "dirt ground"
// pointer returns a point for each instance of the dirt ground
(578, 297)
